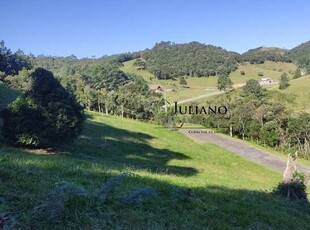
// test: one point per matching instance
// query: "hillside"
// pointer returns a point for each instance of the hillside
(301, 54)
(299, 94)
(82, 186)
(203, 85)
(261, 54)
(167, 60)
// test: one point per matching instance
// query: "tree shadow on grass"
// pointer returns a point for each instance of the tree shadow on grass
(26, 186)
(121, 148)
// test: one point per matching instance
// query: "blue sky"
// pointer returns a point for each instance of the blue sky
(100, 27)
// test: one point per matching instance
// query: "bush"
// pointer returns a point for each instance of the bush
(284, 81)
(182, 81)
(45, 116)
(297, 74)
(294, 189)
(242, 72)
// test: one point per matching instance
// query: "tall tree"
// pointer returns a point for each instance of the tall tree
(45, 116)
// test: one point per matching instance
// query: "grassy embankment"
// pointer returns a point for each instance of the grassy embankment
(187, 185)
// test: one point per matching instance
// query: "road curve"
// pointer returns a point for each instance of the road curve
(242, 149)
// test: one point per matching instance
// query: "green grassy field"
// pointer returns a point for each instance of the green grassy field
(7, 95)
(299, 93)
(204, 85)
(269, 69)
(168, 182)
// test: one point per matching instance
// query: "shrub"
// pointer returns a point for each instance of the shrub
(297, 74)
(284, 81)
(294, 189)
(242, 72)
(182, 81)
(45, 116)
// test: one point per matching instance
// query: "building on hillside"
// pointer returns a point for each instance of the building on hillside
(264, 81)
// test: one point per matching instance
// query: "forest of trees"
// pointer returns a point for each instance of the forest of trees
(260, 55)
(167, 60)
(97, 84)
(11, 63)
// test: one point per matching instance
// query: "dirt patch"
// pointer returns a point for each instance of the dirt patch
(42, 151)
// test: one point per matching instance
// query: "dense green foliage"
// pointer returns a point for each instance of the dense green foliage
(260, 55)
(105, 88)
(301, 54)
(284, 81)
(253, 88)
(167, 60)
(97, 84)
(45, 116)
(12, 63)
(68, 65)
(224, 83)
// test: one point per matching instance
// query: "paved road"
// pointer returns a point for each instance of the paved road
(242, 149)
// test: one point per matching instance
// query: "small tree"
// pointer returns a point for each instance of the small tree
(139, 63)
(252, 87)
(182, 81)
(224, 83)
(284, 81)
(242, 72)
(45, 116)
(297, 73)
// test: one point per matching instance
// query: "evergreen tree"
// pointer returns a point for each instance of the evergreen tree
(45, 116)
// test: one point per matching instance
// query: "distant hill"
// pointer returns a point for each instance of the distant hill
(301, 54)
(261, 54)
(167, 60)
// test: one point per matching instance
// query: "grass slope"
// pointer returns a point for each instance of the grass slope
(204, 85)
(298, 94)
(269, 69)
(7, 95)
(186, 185)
